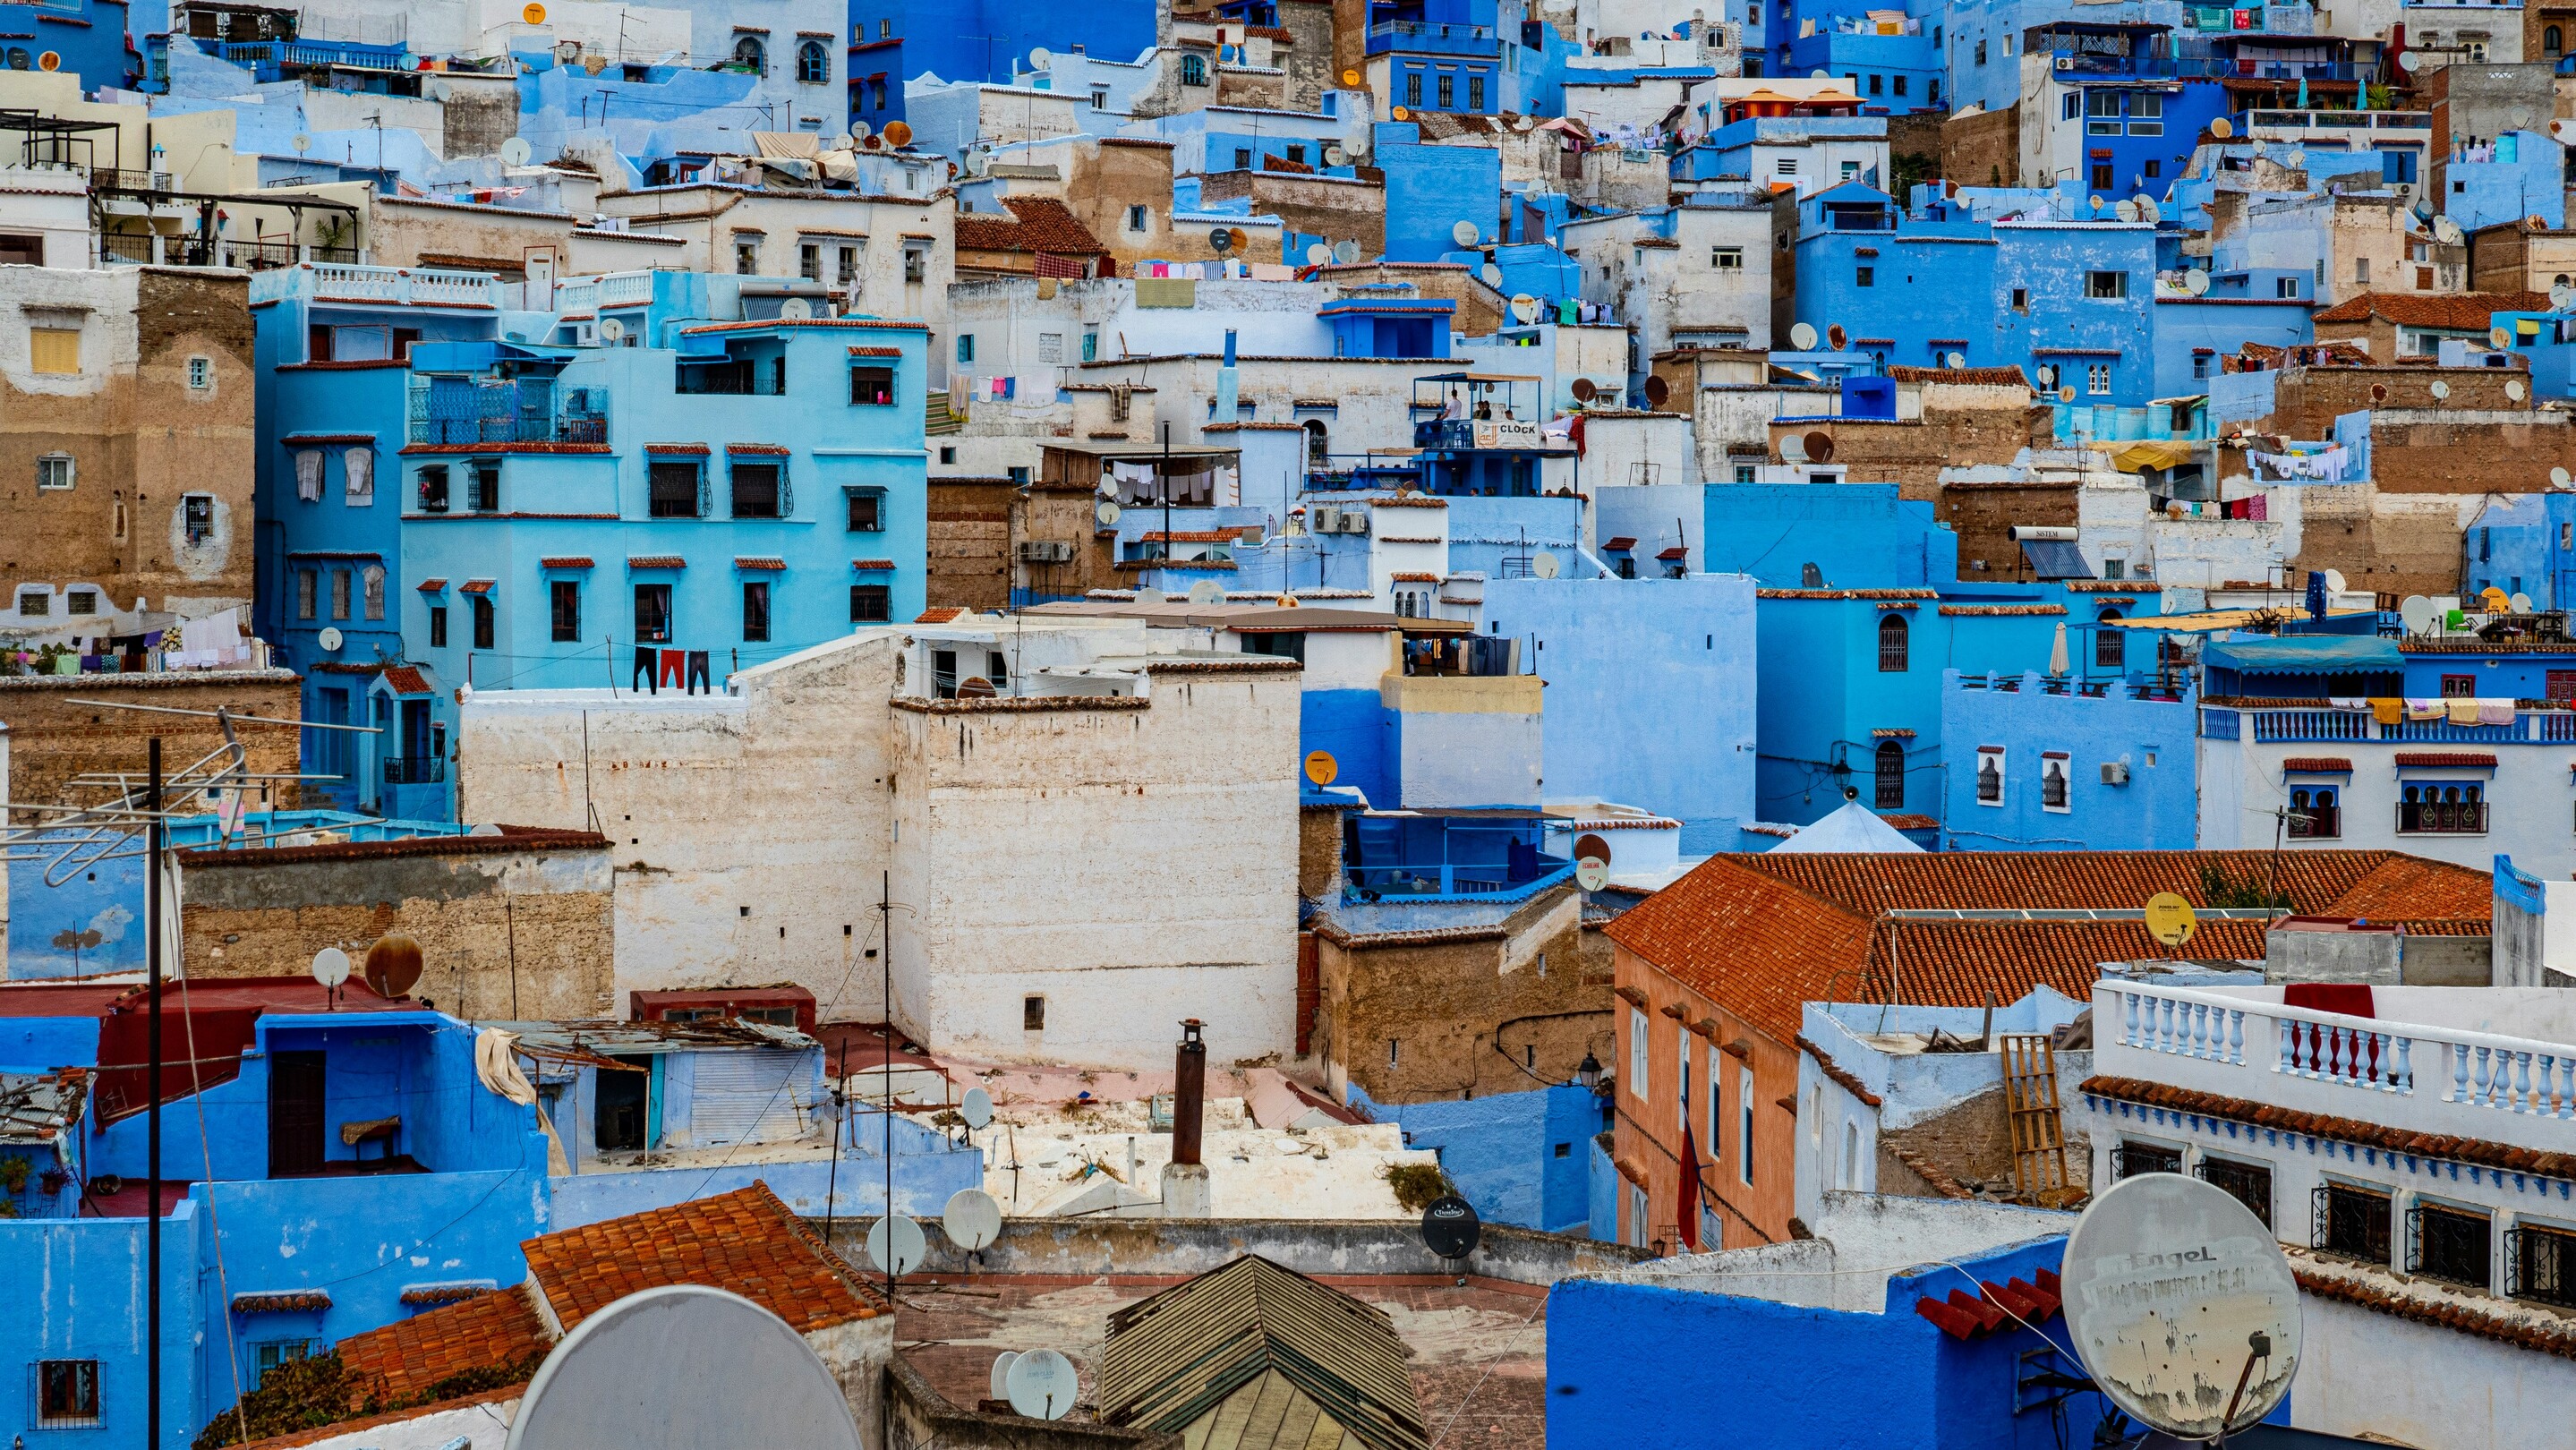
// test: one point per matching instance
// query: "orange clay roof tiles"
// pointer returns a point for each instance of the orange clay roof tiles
(498, 1327)
(745, 1241)
(1763, 934)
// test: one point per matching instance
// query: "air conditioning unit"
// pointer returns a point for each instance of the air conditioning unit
(1328, 520)
(2066, 62)
(1354, 521)
(1045, 551)
(2115, 772)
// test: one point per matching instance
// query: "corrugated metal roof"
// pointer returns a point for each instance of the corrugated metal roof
(1210, 1347)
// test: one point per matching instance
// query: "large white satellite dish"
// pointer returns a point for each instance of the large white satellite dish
(1043, 1385)
(683, 1364)
(973, 1219)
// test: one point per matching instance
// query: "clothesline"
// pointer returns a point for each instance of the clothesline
(2455, 709)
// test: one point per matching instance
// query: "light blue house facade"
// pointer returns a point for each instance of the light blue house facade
(1521, 1158)
(2523, 543)
(1430, 189)
(651, 480)
(2078, 764)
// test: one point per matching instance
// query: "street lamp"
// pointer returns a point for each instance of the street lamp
(1588, 1073)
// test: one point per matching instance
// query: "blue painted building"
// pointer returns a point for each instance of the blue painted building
(1430, 189)
(1436, 55)
(2115, 110)
(651, 481)
(83, 38)
(1521, 1158)
(2093, 761)
(1888, 60)
(893, 41)
(2523, 543)
(2516, 175)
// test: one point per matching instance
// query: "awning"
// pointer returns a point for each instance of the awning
(2309, 654)
(2145, 453)
(2055, 559)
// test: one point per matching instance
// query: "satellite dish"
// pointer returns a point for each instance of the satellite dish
(838, 141)
(1955, 359)
(1820, 446)
(636, 1372)
(393, 966)
(515, 151)
(2175, 1293)
(1107, 513)
(908, 1244)
(329, 638)
(2447, 232)
(612, 331)
(533, 13)
(2097, 203)
(2439, 389)
(1803, 336)
(1835, 337)
(330, 967)
(1001, 1373)
(1450, 1227)
(861, 130)
(1793, 448)
(1039, 57)
(1042, 1384)
(1591, 872)
(1336, 156)
(2521, 603)
(2503, 337)
(2407, 61)
(1400, 114)
(1544, 564)
(898, 134)
(2196, 282)
(1524, 308)
(2560, 478)
(2222, 128)
(976, 1107)
(49, 60)
(1464, 233)
(1318, 254)
(2513, 389)
(1658, 392)
(1350, 77)
(2299, 159)
(2127, 211)
(1149, 595)
(1493, 276)
(2559, 292)
(2417, 613)
(975, 163)
(1221, 238)
(1321, 767)
(2379, 392)
(795, 309)
(2047, 374)
(2170, 919)
(2334, 581)
(975, 687)
(973, 1220)
(2147, 208)
(1206, 591)
(2066, 393)
(301, 142)
(1583, 390)
(1346, 251)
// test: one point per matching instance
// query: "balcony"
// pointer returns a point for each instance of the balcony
(2396, 1071)
(2316, 823)
(277, 60)
(1416, 37)
(325, 279)
(415, 769)
(2323, 724)
(2441, 818)
(450, 411)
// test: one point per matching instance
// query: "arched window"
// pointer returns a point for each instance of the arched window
(1193, 70)
(1890, 795)
(813, 63)
(1318, 444)
(2110, 646)
(1810, 577)
(2551, 40)
(751, 55)
(1891, 644)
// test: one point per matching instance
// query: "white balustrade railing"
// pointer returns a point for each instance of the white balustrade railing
(625, 289)
(2474, 1069)
(577, 294)
(357, 282)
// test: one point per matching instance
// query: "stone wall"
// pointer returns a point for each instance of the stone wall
(1983, 148)
(1325, 206)
(517, 926)
(1911, 453)
(1984, 515)
(970, 543)
(51, 739)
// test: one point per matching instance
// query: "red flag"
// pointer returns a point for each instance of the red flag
(1688, 1208)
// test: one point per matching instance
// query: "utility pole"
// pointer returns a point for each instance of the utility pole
(156, 841)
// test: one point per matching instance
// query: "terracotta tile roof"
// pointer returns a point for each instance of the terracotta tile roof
(2479, 1151)
(1763, 934)
(496, 1327)
(2321, 763)
(1036, 224)
(2460, 1314)
(2411, 309)
(2446, 757)
(565, 561)
(288, 1302)
(1991, 377)
(656, 561)
(1840, 1075)
(405, 680)
(745, 1241)
(765, 449)
(694, 450)
(939, 615)
(760, 562)
(318, 1434)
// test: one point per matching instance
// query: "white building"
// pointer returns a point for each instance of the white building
(1695, 275)
(2417, 1160)
(1049, 849)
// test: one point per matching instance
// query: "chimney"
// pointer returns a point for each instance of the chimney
(1185, 1178)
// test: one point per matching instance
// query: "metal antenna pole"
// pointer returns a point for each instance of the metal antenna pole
(1167, 502)
(152, 909)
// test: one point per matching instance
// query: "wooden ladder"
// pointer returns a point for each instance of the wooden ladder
(2038, 1126)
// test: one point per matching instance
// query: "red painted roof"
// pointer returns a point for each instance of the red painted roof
(745, 1241)
(2462, 311)
(1036, 224)
(498, 1327)
(405, 680)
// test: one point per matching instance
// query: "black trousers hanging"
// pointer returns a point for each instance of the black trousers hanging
(697, 677)
(646, 675)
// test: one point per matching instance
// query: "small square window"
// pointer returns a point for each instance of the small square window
(438, 626)
(870, 604)
(2106, 286)
(2021, 299)
(871, 387)
(35, 604)
(201, 373)
(54, 471)
(66, 1394)
(81, 601)
(1726, 259)
(1033, 1014)
(866, 510)
(1864, 276)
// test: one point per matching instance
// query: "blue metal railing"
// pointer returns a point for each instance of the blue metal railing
(448, 409)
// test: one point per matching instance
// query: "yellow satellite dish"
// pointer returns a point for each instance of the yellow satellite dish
(1350, 78)
(50, 60)
(1401, 114)
(2170, 919)
(533, 13)
(1321, 767)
